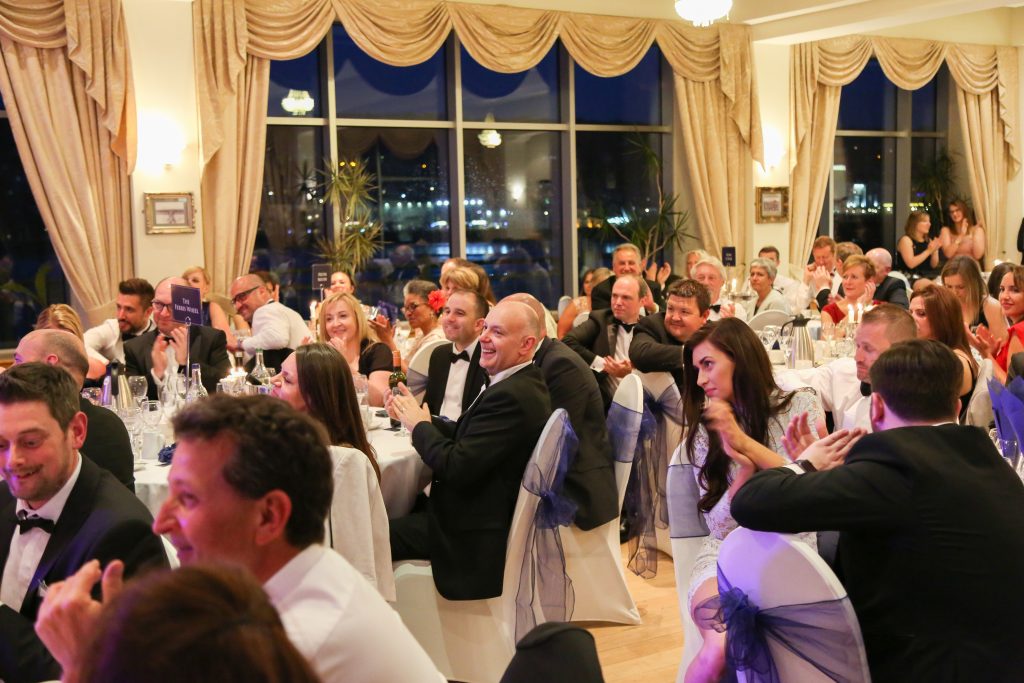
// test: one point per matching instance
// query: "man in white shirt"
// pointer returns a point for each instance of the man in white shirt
(134, 307)
(711, 273)
(233, 498)
(822, 274)
(454, 377)
(275, 327)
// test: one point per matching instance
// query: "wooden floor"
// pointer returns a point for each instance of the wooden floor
(649, 652)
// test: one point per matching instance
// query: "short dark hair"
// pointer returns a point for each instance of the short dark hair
(42, 382)
(275, 448)
(691, 289)
(136, 286)
(483, 307)
(769, 249)
(199, 623)
(919, 379)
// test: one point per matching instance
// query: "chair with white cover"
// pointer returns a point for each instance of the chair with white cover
(688, 530)
(419, 366)
(661, 397)
(593, 559)
(979, 406)
(563, 303)
(580, 318)
(357, 527)
(474, 640)
(798, 600)
(763, 318)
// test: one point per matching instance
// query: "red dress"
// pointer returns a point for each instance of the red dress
(1002, 358)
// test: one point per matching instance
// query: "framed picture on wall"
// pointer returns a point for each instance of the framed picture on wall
(772, 205)
(169, 212)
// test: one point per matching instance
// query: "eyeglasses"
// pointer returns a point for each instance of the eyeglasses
(159, 306)
(242, 296)
(411, 308)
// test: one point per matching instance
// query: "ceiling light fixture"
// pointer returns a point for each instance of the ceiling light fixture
(703, 13)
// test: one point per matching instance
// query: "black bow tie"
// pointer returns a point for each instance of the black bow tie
(26, 524)
(717, 308)
(628, 327)
(128, 336)
(865, 389)
(462, 355)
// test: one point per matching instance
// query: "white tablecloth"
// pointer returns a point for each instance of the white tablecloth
(402, 473)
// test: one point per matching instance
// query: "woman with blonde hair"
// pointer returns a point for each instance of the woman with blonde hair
(858, 288)
(214, 313)
(962, 236)
(459, 277)
(342, 324)
(63, 317)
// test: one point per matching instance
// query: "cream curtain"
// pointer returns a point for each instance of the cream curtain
(712, 68)
(987, 89)
(65, 76)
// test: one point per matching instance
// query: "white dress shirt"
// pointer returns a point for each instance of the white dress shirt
(275, 326)
(341, 624)
(835, 383)
(508, 372)
(739, 313)
(104, 341)
(623, 337)
(451, 406)
(27, 548)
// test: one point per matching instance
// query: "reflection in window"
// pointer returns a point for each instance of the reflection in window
(513, 212)
(367, 88)
(295, 87)
(613, 184)
(411, 201)
(863, 181)
(634, 97)
(30, 276)
(530, 96)
(292, 214)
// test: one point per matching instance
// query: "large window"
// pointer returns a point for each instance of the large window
(886, 137)
(466, 161)
(30, 276)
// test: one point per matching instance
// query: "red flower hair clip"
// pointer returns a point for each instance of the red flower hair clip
(436, 301)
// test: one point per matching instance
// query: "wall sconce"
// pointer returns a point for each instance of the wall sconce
(161, 142)
(774, 150)
(297, 103)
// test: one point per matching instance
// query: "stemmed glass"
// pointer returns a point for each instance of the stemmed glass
(769, 335)
(139, 386)
(131, 416)
(152, 412)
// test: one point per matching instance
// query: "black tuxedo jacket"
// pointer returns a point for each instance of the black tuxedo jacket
(107, 443)
(101, 520)
(208, 347)
(931, 548)
(478, 465)
(653, 349)
(601, 295)
(437, 378)
(593, 338)
(892, 291)
(590, 481)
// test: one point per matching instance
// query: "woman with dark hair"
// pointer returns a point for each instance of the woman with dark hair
(1011, 299)
(202, 624)
(592, 277)
(995, 278)
(917, 257)
(343, 325)
(938, 316)
(317, 381)
(962, 276)
(738, 417)
(424, 302)
(962, 236)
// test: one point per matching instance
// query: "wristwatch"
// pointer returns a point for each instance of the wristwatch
(806, 465)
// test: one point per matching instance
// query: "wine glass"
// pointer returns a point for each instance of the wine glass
(152, 412)
(769, 335)
(139, 386)
(131, 416)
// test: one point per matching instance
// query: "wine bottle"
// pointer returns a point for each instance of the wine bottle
(397, 377)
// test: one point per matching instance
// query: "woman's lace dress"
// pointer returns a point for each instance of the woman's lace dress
(719, 518)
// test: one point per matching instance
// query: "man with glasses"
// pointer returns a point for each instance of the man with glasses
(276, 329)
(167, 350)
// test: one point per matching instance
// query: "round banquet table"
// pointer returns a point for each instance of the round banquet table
(402, 472)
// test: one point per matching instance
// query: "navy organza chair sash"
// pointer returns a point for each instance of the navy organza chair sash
(416, 381)
(645, 504)
(624, 425)
(543, 566)
(684, 519)
(819, 633)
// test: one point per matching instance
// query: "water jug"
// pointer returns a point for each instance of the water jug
(801, 350)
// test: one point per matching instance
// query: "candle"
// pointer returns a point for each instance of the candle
(733, 288)
(860, 313)
(312, 309)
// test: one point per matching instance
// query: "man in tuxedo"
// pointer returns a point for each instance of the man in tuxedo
(58, 510)
(887, 288)
(106, 441)
(251, 486)
(166, 351)
(931, 542)
(454, 375)
(822, 273)
(134, 308)
(276, 329)
(657, 344)
(590, 480)
(478, 462)
(626, 260)
(710, 272)
(603, 339)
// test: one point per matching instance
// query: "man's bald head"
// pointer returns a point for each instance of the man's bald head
(248, 293)
(56, 347)
(509, 338)
(539, 329)
(882, 260)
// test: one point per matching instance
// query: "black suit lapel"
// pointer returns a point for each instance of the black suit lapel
(6, 530)
(475, 378)
(611, 335)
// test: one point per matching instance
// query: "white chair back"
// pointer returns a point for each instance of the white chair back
(629, 399)
(778, 569)
(419, 366)
(979, 406)
(580, 318)
(563, 302)
(768, 318)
